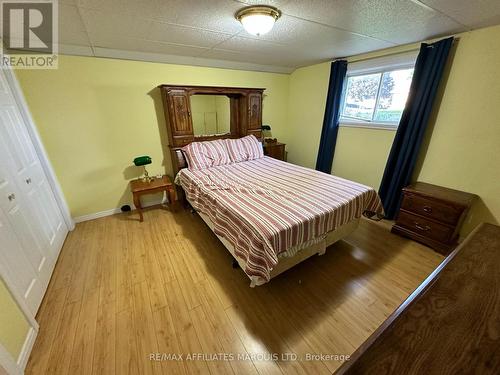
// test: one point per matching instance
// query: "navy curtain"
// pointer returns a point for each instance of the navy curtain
(331, 120)
(404, 152)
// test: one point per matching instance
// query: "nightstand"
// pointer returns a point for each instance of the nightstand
(433, 215)
(274, 150)
(156, 185)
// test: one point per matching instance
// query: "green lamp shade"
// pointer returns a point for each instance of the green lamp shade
(142, 160)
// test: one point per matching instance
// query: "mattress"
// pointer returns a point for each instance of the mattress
(267, 207)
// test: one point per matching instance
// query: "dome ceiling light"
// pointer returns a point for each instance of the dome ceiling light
(259, 19)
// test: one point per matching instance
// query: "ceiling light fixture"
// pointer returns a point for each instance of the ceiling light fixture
(259, 19)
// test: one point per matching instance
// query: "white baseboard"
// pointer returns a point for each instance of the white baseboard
(22, 360)
(96, 215)
(113, 211)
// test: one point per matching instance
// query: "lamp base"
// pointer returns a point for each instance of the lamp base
(146, 177)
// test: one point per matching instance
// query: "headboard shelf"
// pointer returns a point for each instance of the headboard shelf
(210, 89)
(245, 115)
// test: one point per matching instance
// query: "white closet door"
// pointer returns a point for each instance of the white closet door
(21, 251)
(28, 172)
(32, 226)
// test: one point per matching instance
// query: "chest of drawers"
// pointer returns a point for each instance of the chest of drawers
(275, 150)
(432, 215)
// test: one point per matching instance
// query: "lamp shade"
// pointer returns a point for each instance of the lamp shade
(258, 20)
(142, 160)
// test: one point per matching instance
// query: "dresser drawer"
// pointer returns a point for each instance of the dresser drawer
(424, 227)
(431, 208)
(275, 151)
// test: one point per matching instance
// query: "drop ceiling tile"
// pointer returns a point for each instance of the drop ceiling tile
(436, 26)
(137, 8)
(120, 42)
(250, 45)
(71, 27)
(254, 58)
(99, 23)
(311, 40)
(477, 13)
(367, 17)
(215, 15)
(165, 32)
(69, 18)
(77, 38)
(168, 49)
(298, 32)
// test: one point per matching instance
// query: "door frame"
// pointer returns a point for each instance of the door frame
(17, 92)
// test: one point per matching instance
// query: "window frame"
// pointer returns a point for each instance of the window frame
(375, 66)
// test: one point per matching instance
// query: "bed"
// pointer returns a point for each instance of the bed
(271, 215)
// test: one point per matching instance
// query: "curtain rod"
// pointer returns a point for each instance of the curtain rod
(376, 57)
(455, 39)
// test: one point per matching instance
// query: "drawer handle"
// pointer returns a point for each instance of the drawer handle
(28, 181)
(11, 197)
(424, 228)
(427, 209)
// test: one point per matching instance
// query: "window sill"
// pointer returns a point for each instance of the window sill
(368, 125)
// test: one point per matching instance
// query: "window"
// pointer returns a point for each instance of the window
(376, 97)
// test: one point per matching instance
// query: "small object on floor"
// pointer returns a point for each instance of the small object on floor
(155, 185)
(125, 208)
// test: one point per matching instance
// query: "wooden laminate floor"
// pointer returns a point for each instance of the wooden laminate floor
(124, 291)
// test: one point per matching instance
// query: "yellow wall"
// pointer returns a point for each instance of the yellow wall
(95, 115)
(306, 106)
(365, 166)
(13, 326)
(464, 150)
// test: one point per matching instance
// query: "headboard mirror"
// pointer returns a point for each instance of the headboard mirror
(192, 114)
(211, 114)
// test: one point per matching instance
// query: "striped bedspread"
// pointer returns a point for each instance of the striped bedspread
(265, 207)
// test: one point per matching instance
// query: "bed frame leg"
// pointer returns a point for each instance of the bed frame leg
(235, 263)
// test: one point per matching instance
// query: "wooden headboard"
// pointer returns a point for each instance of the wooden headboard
(245, 115)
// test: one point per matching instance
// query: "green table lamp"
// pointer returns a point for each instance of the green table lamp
(143, 161)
